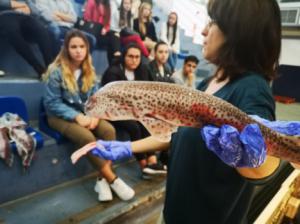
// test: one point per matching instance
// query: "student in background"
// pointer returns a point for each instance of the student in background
(70, 81)
(19, 27)
(121, 26)
(131, 69)
(59, 16)
(145, 26)
(135, 8)
(170, 35)
(186, 76)
(158, 68)
(99, 11)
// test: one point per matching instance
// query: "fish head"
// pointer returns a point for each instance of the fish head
(97, 105)
(109, 103)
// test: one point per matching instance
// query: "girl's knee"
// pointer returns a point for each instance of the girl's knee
(106, 131)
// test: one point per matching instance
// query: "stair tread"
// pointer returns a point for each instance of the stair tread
(78, 202)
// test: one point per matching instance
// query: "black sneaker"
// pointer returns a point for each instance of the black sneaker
(155, 169)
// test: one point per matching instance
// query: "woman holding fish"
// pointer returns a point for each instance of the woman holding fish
(212, 173)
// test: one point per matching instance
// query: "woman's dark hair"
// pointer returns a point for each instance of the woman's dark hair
(191, 58)
(252, 30)
(106, 5)
(125, 17)
(159, 43)
(173, 27)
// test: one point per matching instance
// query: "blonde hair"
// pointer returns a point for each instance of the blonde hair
(63, 60)
(142, 26)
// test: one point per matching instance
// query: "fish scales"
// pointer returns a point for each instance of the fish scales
(163, 107)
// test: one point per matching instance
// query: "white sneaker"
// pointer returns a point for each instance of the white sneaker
(103, 190)
(2, 73)
(122, 189)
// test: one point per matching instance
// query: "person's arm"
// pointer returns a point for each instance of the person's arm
(65, 13)
(46, 11)
(21, 7)
(34, 10)
(261, 106)
(117, 150)
(106, 27)
(15, 4)
(176, 76)
(266, 169)
(54, 98)
(69, 18)
(147, 144)
(191, 80)
(88, 10)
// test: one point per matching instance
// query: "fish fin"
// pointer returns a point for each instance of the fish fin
(159, 129)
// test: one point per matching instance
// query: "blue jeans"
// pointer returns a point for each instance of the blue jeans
(172, 60)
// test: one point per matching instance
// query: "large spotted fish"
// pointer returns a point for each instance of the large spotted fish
(162, 107)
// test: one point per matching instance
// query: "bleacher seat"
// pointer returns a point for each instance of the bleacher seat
(183, 54)
(16, 105)
(44, 127)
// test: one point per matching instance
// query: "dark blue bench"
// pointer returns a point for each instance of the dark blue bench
(16, 105)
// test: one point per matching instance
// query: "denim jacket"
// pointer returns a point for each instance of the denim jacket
(60, 102)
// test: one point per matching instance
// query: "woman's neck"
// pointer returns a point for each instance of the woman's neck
(159, 65)
(215, 85)
(128, 70)
(75, 66)
(144, 19)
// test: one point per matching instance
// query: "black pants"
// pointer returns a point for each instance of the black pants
(21, 30)
(112, 44)
(136, 131)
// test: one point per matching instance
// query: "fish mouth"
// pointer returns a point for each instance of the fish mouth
(107, 116)
(90, 104)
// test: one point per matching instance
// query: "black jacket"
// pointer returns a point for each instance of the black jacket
(156, 76)
(150, 30)
(117, 73)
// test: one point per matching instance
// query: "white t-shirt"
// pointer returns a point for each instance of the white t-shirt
(129, 75)
(77, 73)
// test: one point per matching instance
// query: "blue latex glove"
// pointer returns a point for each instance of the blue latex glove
(283, 127)
(245, 149)
(113, 150)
